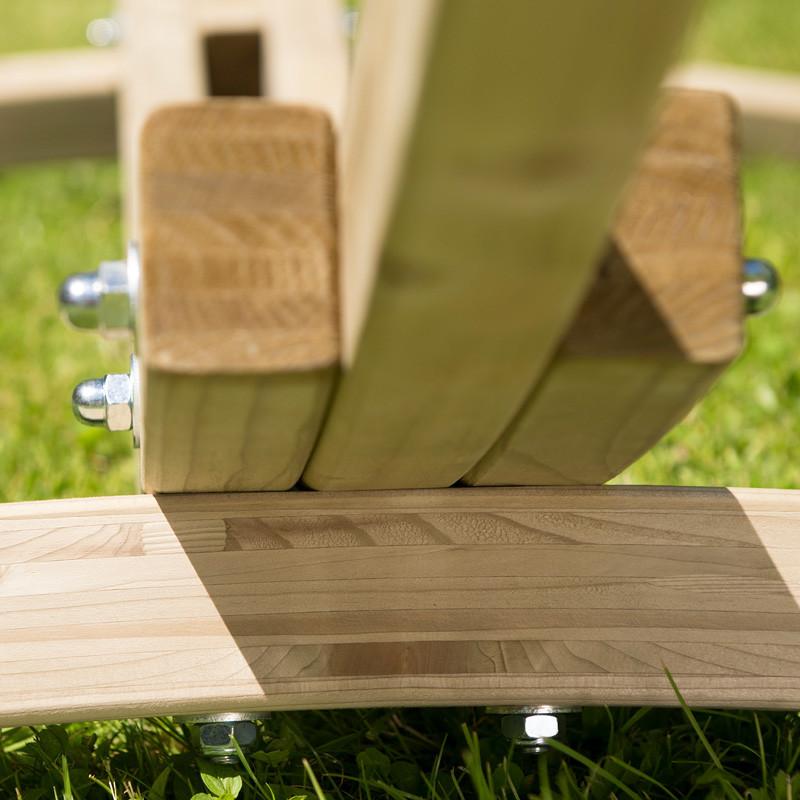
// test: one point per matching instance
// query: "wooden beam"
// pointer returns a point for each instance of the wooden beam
(769, 103)
(663, 319)
(57, 105)
(134, 606)
(481, 160)
(237, 333)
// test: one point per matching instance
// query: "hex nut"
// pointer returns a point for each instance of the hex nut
(212, 733)
(532, 727)
(104, 300)
(114, 311)
(214, 739)
(119, 402)
(215, 734)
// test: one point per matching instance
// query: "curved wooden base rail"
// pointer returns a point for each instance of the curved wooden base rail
(130, 606)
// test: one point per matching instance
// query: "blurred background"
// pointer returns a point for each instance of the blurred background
(64, 217)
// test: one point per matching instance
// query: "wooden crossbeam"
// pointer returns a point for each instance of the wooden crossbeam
(58, 105)
(141, 605)
(237, 331)
(482, 156)
(663, 319)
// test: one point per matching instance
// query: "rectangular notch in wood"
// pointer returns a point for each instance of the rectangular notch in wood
(233, 62)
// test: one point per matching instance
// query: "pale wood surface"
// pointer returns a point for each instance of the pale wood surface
(163, 63)
(57, 105)
(663, 319)
(476, 191)
(138, 605)
(307, 54)
(237, 332)
(769, 102)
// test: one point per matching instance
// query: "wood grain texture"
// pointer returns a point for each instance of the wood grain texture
(482, 155)
(57, 105)
(662, 320)
(237, 330)
(188, 603)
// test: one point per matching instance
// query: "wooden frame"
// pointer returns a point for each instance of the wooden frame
(132, 606)
(188, 603)
(36, 87)
(58, 105)
(474, 204)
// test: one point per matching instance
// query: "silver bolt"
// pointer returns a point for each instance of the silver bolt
(108, 401)
(531, 727)
(760, 285)
(213, 734)
(103, 300)
(104, 31)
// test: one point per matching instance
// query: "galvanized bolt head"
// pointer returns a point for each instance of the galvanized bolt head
(105, 401)
(79, 297)
(89, 402)
(103, 300)
(530, 727)
(760, 285)
(213, 734)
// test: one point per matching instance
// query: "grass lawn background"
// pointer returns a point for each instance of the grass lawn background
(60, 218)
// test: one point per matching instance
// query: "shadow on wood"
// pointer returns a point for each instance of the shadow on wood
(137, 606)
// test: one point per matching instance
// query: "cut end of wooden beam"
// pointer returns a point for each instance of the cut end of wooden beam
(661, 321)
(238, 334)
(238, 239)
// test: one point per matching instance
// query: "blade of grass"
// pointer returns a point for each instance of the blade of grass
(727, 787)
(65, 776)
(762, 754)
(644, 776)
(592, 766)
(544, 777)
(313, 778)
(266, 791)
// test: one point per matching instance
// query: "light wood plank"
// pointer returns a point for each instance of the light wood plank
(663, 319)
(142, 605)
(483, 152)
(306, 50)
(237, 332)
(57, 105)
(163, 64)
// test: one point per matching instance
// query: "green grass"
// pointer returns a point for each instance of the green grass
(435, 754)
(756, 33)
(55, 219)
(47, 24)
